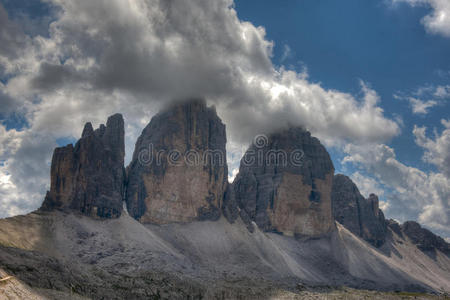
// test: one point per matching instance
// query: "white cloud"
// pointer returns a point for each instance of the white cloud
(23, 170)
(102, 57)
(425, 97)
(12, 202)
(411, 193)
(437, 151)
(435, 91)
(442, 91)
(438, 21)
(367, 185)
(9, 142)
(421, 107)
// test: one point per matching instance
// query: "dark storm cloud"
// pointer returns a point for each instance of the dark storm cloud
(51, 76)
(169, 53)
(163, 50)
(12, 38)
(8, 104)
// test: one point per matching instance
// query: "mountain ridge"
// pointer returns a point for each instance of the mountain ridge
(278, 226)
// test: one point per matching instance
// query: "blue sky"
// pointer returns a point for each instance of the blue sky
(343, 42)
(384, 44)
(371, 79)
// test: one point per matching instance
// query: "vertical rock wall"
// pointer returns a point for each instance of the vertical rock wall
(359, 215)
(286, 187)
(90, 176)
(179, 171)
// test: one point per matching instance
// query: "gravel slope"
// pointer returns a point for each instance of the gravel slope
(123, 258)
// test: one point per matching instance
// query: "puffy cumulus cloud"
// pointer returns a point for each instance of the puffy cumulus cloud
(411, 193)
(160, 50)
(20, 166)
(367, 185)
(8, 103)
(437, 151)
(102, 57)
(11, 204)
(9, 142)
(290, 99)
(438, 21)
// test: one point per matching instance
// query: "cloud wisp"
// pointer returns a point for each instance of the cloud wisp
(425, 98)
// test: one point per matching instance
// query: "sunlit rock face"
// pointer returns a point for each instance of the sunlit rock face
(178, 172)
(90, 176)
(359, 215)
(284, 184)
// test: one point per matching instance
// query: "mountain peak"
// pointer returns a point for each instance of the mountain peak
(284, 184)
(89, 177)
(179, 170)
(359, 215)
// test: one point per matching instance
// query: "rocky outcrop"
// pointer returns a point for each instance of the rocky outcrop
(230, 207)
(90, 176)
(284, 184)
(394, 226)
(424, 239)
(179, 169)
(359, 215)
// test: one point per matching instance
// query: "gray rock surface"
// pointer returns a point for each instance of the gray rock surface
(230, 207)
(284, 184)
(124, 259)
(424, 239)
(359, 215)
(395, 227)
(162, 189)
(90, 176)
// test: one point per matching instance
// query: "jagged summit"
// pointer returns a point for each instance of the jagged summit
(89, 177)
(359, 215)
(424, 239)
(178, 177)
(179, 174)
(179, 169)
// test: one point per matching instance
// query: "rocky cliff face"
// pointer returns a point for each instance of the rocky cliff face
(89, 177)
(359, 215)
(424, 239)
(284, 184)
(179, 169)
(394, 226)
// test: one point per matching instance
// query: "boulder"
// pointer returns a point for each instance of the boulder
(179, 170)
(89, 177)
(284, 184)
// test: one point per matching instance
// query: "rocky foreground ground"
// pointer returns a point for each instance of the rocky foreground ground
(124, 259)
